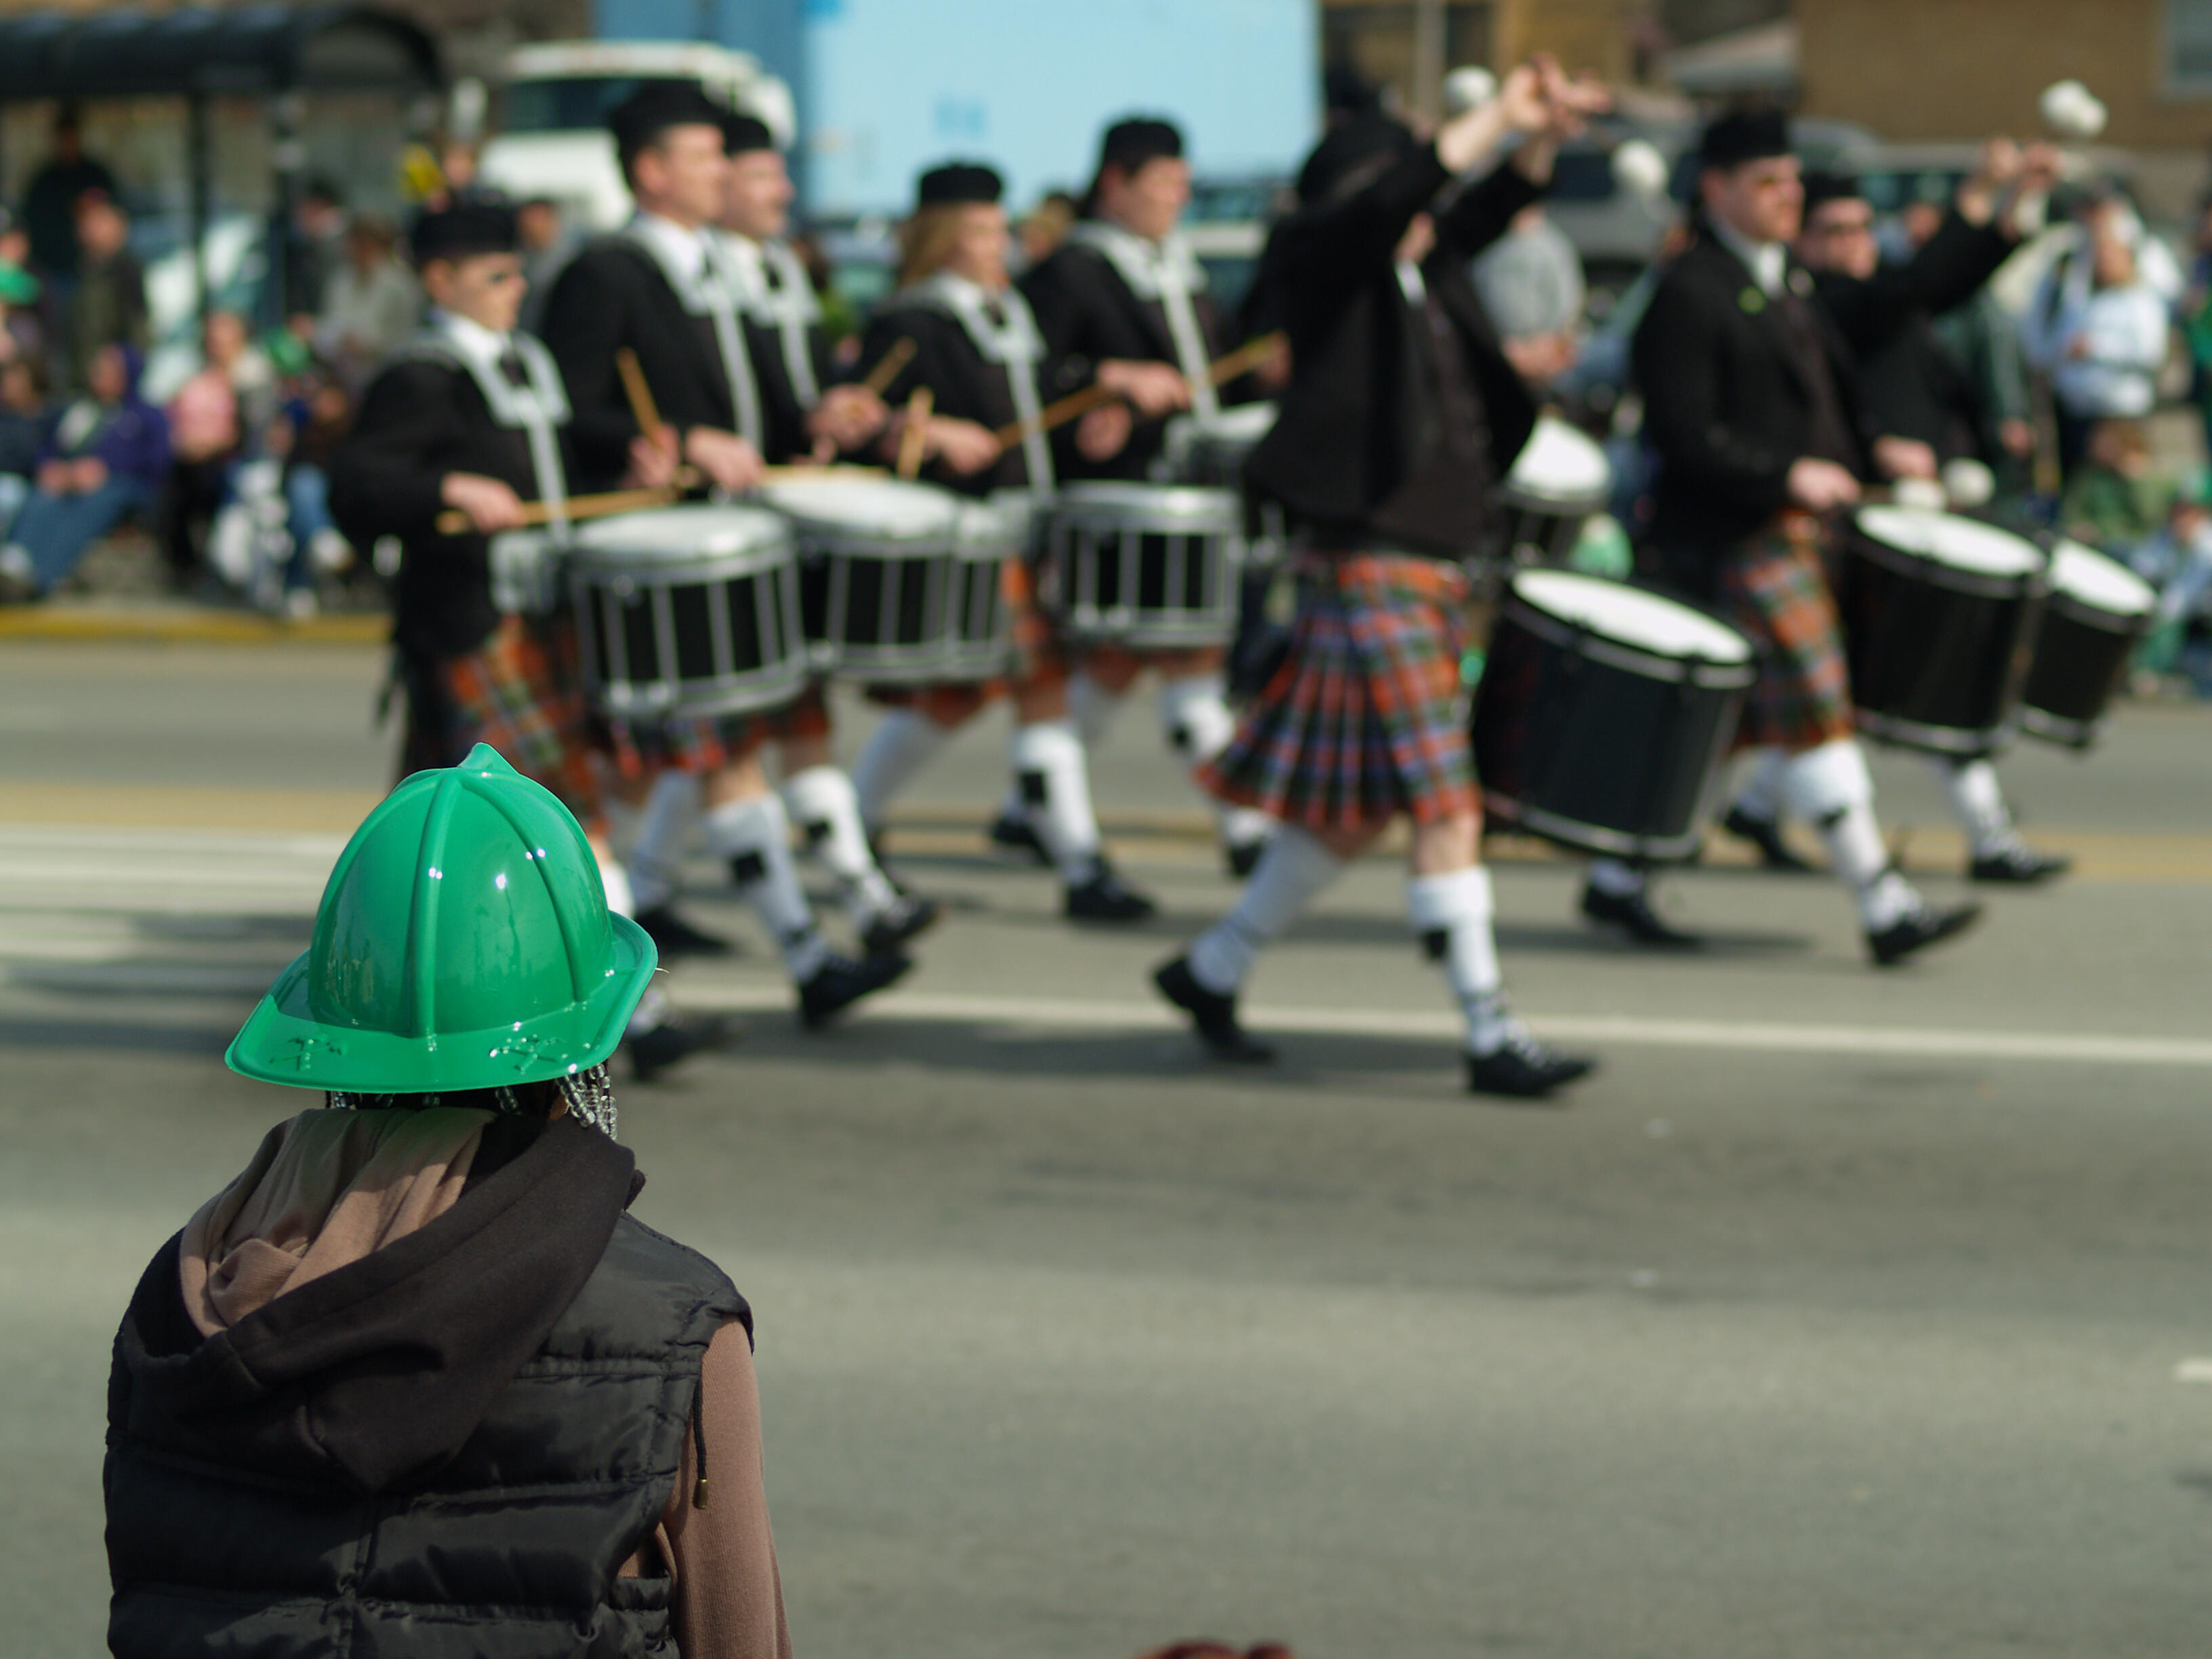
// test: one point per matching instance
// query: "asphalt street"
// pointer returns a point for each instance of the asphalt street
(1843, 1314)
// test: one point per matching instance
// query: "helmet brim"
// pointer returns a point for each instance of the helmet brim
(283, 1042)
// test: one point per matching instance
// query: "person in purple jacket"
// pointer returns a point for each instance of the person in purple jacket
(104, 462)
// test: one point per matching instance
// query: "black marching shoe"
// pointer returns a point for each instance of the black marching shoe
(1921, 926)
(905, 917)
(2018, 864)
(840, 983)
(1523, 1068)
(1243, 857)
(1765, 834)
(1213, 1015)
(678, 937)
(1632, 913)
(676, 1038)
(1104, 896)
(1009, 833)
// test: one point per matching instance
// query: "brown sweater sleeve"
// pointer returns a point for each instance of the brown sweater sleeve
(729, 1600)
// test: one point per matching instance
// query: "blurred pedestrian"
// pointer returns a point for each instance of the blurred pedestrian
(107, 305)
(1531, 284)
(1045, 226)
(372, 306)
(105, 461)
(24, 422)
(2100, 331)
(547, 244)
(420, 1335)
(314, 248)
(50, 201)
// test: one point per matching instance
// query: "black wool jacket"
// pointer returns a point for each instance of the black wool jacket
(1358, 415)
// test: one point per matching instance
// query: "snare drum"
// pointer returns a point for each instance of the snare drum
(1145, 565)
(2097, 613)
(1560, 480)
(877, 559)
(979, 623)
(689, 609)
(1211, 449)
(1604, 712)
(1938, 613)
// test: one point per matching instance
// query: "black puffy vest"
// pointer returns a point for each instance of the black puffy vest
(510, 1549)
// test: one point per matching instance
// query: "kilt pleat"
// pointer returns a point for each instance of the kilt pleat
(519, 692)
(1775, 588)
(1366, 718)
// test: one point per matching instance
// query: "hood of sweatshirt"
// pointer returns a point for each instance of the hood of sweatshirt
(376, 1370)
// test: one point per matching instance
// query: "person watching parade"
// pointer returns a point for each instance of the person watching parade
(416, 1380)
(1402, 413)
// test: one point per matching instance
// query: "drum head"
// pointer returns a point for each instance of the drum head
(881, 509)
(1241, 425)
(1560, 463)
(1152, 503)
(1630, 617)
(1966, 546)
(2098, 583)
(684, 531)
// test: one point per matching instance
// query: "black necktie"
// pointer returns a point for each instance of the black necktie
(995, 311)
(510, 367)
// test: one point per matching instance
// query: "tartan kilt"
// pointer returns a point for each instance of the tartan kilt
(518, 691)
(1366, 717)
(1775, 588)
(709, 742)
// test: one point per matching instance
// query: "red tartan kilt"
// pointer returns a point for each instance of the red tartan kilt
(1040, 658)
(710, 743)
(519, 692)
(1775, 588)
(1366, 718)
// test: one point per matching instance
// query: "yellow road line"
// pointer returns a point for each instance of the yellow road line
(154, 623)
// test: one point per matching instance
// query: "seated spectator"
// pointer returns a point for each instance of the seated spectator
(107, 305)
(26, 312)
(23, 425)
(2114, 500)
(217, 418)
(372, 306)
(106, 461)
(314, 422)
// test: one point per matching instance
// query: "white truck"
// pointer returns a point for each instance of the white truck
(552, 138)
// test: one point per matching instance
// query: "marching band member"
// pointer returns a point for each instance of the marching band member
(1402, 413)
(976, 349)
(657, 288)
(1122, 302)
(1911, 388)
(1749, 406)
(473, 418)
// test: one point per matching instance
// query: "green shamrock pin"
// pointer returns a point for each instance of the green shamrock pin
(1752, 301)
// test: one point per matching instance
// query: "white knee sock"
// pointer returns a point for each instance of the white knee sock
(616, 880)
(1195, 717)
(655, 857)
(1979, 800)
(755, 837)
(823, 803)
(1760, 793)
(1612, 876)
(1831, 786)
(902, 742)
(1053, 774)
(652, 1011)
(1451, 913)
(1092, 707)
(1293, 870)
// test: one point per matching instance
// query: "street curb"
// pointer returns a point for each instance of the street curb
(83, 623)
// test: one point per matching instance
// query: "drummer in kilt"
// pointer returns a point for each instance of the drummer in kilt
(1751, 408)
(1912, 388)
(472, 418)
(1402, 413)
(1121, 303)
(969, 338)
(659, 288)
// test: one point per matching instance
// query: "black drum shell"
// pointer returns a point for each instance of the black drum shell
(1937, 655)
(654, 645)
(1595, 745)
(2082, 655)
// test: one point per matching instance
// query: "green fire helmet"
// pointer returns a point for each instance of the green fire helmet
(462, 941)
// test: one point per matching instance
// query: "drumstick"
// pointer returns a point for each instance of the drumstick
(641, 394)
(888, 367)
(454, 522)
(916, 435)
(1220, 371)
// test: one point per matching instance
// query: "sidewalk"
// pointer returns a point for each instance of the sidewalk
(136, 618)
